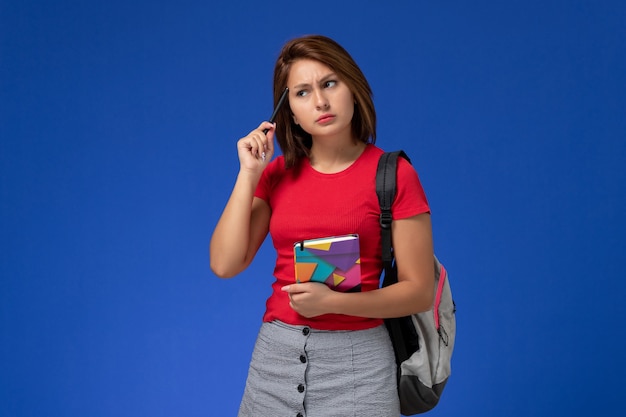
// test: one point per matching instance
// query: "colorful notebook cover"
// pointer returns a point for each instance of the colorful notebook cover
(335, 261)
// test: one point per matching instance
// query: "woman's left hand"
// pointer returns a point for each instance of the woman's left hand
(309, 299)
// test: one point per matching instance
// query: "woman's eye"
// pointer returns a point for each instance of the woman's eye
(330, 83)
(301, 93)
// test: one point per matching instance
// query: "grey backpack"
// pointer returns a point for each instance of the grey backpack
(423, 343)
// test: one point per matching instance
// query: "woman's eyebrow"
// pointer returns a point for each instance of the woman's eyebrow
(324, 78)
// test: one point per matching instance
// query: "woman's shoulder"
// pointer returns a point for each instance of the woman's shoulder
(276, 165)
(374, 152)
(276, 171)
(371, 154)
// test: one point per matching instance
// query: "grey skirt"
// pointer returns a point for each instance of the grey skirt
(297, 371)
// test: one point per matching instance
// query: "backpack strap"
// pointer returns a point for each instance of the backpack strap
(386, 191)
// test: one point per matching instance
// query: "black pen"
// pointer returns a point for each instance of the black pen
(281, 100)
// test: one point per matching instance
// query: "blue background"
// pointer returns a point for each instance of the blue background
(118, 123)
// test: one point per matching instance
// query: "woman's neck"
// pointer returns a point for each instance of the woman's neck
(331, 157)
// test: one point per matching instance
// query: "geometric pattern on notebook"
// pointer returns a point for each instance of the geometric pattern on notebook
(337, 264)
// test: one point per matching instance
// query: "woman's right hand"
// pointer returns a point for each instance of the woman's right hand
(257, 148)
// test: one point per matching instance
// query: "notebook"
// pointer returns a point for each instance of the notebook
(334, 261)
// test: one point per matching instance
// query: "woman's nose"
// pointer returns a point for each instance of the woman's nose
(320, 100)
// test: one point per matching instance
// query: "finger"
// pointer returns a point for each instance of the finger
(262, 151)
(247, 146)
(256, 144)
(265, 127)
(269, 145)
(264, 136)
(294, 288)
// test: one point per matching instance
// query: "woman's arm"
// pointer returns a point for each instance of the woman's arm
(244, 223)
(414, 292)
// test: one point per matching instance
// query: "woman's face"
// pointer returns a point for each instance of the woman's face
(321, 103)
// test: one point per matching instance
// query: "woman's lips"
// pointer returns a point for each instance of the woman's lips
(325, 118)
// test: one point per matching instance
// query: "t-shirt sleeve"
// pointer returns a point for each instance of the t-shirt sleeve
(264, 187)
(410, 197)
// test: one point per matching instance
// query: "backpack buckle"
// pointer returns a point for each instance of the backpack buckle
(385, 219)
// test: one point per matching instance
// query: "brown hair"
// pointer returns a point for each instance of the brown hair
(292, 139)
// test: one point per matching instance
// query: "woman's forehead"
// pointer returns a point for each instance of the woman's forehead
(307, 72)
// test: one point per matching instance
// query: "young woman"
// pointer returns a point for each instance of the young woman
(320, 351)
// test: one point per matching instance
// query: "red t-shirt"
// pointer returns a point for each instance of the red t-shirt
(307, 204)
